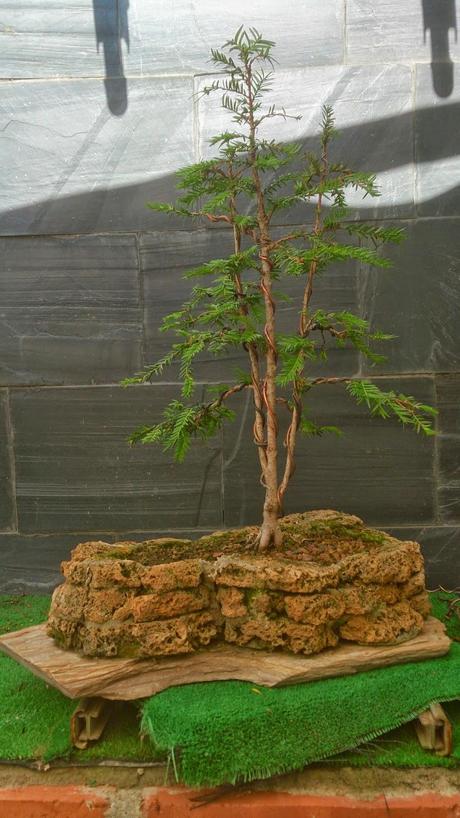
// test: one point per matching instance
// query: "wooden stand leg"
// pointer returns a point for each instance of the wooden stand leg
(88, 721)
(434, 730)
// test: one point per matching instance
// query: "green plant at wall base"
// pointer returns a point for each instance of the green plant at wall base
(244, 187)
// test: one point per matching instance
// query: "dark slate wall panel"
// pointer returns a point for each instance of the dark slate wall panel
(31, 564)
(448, 392)
(70, 166)
(75, 471)
(376, 469)
(419, 299)
(441, 549)
(165, 257)
(71, 309)
(7, 510)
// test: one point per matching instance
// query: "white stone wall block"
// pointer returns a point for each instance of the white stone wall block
(70, 166)
(401, 30)
(180, 34)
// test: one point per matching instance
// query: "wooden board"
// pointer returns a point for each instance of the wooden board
(124, 679)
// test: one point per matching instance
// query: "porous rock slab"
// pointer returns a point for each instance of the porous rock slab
(124, 679)
(334, 579)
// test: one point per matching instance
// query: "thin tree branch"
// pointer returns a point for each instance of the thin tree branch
(336, 333)
(317, 381)
(289, 443)
(274, 244)
(229, 392)
(285, 403)
(211, 216)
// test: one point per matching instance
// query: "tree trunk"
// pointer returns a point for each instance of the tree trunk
(270, 535)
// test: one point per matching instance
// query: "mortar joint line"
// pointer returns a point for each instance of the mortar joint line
(133, 231)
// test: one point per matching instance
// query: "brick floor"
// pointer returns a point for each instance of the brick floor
(160, 802)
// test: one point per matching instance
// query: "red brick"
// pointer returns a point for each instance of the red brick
(52, 802)
(178, 804)
(428, 805)
(163, 803)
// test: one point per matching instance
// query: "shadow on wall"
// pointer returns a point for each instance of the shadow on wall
(438, 18)
(111, 27)
(123, 207)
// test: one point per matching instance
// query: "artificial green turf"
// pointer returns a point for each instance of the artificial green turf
(34, 718)
(400, 748)
(441, 608)
(122, 739)
(218, 732)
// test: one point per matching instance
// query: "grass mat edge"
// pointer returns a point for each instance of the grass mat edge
(122, 739)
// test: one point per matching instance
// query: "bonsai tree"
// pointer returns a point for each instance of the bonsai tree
(249, 182)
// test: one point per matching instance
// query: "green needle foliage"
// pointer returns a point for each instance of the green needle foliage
(233, 300)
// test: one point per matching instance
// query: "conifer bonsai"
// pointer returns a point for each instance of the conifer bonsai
(250, 181)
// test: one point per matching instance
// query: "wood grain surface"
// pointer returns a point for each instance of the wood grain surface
(77, 676)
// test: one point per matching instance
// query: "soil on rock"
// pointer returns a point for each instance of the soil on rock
(334, 580)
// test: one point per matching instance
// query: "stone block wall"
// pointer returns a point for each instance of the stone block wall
(97, 113)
